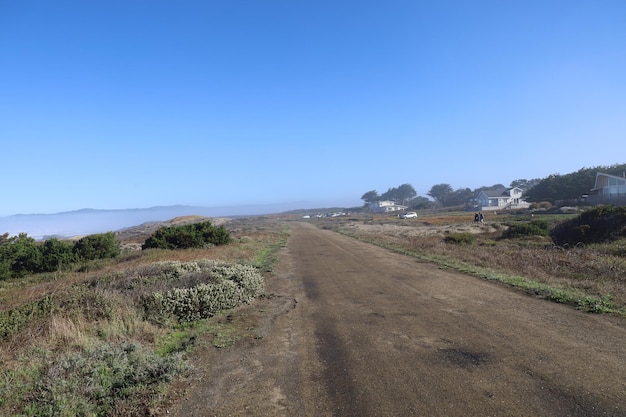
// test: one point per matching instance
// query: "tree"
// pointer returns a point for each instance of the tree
(420, 203)
(570, 186)
(19, 256)
(55, 253)
(98, 246)
(370, 196)
(401, 194)
(489, 187)
(405, 193)
(440, 193)
(525, 184)
(460, 197)
(197, 235)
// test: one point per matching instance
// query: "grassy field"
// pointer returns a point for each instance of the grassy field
(106, 337)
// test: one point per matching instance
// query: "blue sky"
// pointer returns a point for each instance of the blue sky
(128, 104)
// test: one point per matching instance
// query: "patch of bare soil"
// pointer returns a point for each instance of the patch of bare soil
(350, 329)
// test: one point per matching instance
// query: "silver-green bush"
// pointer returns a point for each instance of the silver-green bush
(226, 286)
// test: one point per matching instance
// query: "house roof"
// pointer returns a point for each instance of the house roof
(495, 192)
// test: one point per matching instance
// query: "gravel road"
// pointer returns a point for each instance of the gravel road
(352, 329)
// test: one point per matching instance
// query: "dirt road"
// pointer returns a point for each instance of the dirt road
(354, 330)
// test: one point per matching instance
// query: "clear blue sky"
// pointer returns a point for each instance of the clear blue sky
(126, 104)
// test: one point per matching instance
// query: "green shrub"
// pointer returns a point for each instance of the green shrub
(82, 298)
(533, 228)
(99, 380)
(460, 238)
(20, 255)
(5, 269)
(197, 235)
(55, 254)
(98, 246)
(225, 286)
(600, 224)
(14, 320)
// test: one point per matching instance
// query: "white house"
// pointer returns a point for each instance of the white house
(608, 187)
(500, 198)
(385, 207)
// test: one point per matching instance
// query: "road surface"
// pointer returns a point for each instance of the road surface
(354, 330)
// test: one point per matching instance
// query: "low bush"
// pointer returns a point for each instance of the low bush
(225, 286)
(98, 246)
(600, 224)
(460, 238)
(197, 235)
(14, 320)
(532, 228)
(56, 254)
(95, 381)
(544, 205)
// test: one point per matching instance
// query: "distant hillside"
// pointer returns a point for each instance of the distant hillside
(91, 221)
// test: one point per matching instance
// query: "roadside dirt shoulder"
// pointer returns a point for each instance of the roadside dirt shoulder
(258, 376)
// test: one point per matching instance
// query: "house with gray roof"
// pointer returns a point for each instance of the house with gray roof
(500, 199)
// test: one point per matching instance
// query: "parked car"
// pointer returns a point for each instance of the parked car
(409, 215)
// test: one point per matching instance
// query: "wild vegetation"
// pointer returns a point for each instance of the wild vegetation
(515, 249)
(107, 335)
(107, 338)
(570, 186)
(21, 255)
(598, 225)
(555, 187)
(194, 235)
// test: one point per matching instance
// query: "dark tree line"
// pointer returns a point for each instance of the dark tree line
(401, 195)
(570, 186)
(552, 188)
(22, 255)
(404, 194)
